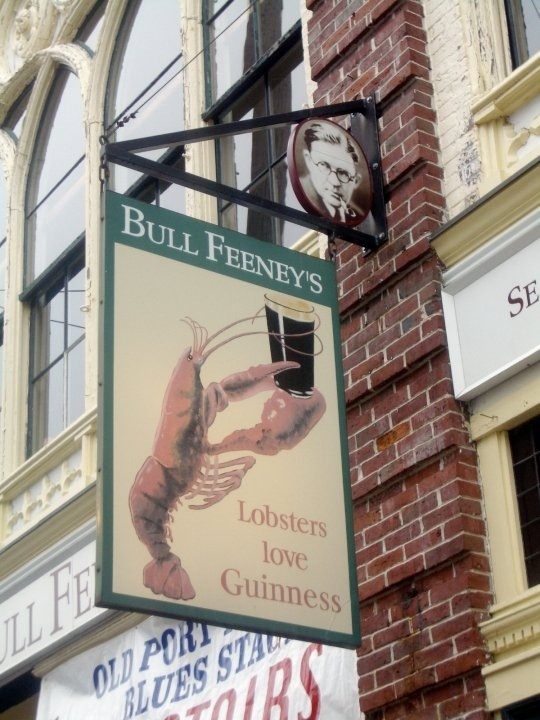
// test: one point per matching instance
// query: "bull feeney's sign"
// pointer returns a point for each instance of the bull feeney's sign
(225, 493)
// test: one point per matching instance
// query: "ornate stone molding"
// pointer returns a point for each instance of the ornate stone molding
(77, 58)
(490, 216)
(48, 480)
(63, 5)
(26, 26)
(514, 626)
(508, 120)
(513, 639)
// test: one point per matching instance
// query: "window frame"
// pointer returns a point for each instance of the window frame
(144, 187)
(534, 555)
(517, 34)
(258, 70)
(36, 286)
(508, 632)
(528, 710)
(72, 259)
(259, 73)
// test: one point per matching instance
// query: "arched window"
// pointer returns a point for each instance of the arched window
(12, 125)
(146, 94)
(54, 264)
(55, 197)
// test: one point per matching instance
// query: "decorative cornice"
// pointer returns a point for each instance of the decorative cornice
(514, 626)
(26, 27)
(65, 520)
(77, 58)
(519, 88)
(490, 216)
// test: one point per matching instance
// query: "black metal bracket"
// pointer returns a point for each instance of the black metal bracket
(370, 234)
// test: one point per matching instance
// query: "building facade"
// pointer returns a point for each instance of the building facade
(439, 325)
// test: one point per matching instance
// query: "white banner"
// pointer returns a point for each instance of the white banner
(170, 670)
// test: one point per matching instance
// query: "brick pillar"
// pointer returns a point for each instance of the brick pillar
(423, 570)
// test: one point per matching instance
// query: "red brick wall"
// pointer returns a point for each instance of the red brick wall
(423, 571)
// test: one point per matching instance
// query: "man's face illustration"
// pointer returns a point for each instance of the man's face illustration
(332, 172)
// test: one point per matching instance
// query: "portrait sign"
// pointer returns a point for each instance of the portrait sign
(329, 172)
(225, 494)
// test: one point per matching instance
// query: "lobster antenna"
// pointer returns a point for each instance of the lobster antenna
(235, 337)
(211, 338)
(198, 331)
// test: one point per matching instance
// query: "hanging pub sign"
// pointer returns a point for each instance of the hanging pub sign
(329, 172)
(225, 493)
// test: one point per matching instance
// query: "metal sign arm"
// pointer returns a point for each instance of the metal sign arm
(370, 234)
(212, 132)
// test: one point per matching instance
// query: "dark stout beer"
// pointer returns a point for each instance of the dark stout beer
(291, 327)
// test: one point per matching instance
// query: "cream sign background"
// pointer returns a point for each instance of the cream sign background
(274, 552)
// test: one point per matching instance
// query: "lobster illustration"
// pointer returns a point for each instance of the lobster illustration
(184, 465)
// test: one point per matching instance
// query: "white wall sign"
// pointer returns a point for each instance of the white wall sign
(45, 606)
(492, 310)
(174, 670)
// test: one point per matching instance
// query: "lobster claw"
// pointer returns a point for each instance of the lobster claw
(285, 421)
(242, 385)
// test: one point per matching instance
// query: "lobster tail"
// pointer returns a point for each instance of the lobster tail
(151, 499)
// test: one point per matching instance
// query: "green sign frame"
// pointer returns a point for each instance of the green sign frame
(224, 492)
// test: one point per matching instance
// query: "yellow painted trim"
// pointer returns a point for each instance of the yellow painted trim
(488, 218)
(515, 624)
(512, 634)
(509, 580)
(510, 404)
(56, 526)
(516, 90)
(512, 681)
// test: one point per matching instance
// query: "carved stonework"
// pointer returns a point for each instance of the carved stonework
(515, 628)
(63, 5)
(45, 495)
(26, 26)
(523, 133)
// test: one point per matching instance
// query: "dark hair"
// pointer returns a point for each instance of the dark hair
(316, 131)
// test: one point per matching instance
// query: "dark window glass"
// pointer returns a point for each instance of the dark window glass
(525, 448)
(523, 18)
(255, 69)
(528, 710)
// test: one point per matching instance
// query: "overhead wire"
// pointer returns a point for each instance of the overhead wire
(125, 116)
